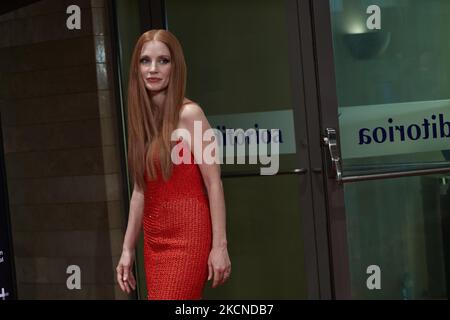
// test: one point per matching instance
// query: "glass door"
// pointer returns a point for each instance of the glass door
(244, 70)
(384, 80)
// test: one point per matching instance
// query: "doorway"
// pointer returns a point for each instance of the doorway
(384, 94)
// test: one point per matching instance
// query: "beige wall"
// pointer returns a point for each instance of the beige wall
(62, 151)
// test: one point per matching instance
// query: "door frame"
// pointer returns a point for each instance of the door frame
(326, 105)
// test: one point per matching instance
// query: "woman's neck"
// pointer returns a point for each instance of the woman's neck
(158, 98)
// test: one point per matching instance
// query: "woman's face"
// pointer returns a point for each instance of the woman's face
(155, 65)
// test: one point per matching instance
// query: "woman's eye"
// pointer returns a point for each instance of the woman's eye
(164, 61)
(144, 60)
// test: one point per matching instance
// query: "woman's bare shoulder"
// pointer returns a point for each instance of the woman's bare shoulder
(191, 111)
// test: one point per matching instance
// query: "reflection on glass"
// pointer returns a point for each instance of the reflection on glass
(402, 226)
(393, 83)
(393, 89)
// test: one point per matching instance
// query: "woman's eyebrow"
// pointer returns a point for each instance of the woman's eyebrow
(161, 56)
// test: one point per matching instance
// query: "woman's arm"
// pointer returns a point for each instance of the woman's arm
(219, 263)
(124, 268)
(134, 219)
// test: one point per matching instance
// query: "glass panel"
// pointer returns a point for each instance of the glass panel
(265, 244)
(233, 73)
(393, 88)
(240, 80)
(401, 226)
(128, 31)
(393, 83)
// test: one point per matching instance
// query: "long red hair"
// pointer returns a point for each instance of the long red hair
(150, 128)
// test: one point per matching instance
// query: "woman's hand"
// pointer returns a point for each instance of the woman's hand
(219, 265)
(124, 270)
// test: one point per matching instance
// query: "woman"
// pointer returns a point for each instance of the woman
(181, 207)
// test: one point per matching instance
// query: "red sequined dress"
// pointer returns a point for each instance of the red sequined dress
(177, 234)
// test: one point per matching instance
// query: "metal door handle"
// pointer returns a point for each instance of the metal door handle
(236, 174)
(334, 167)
